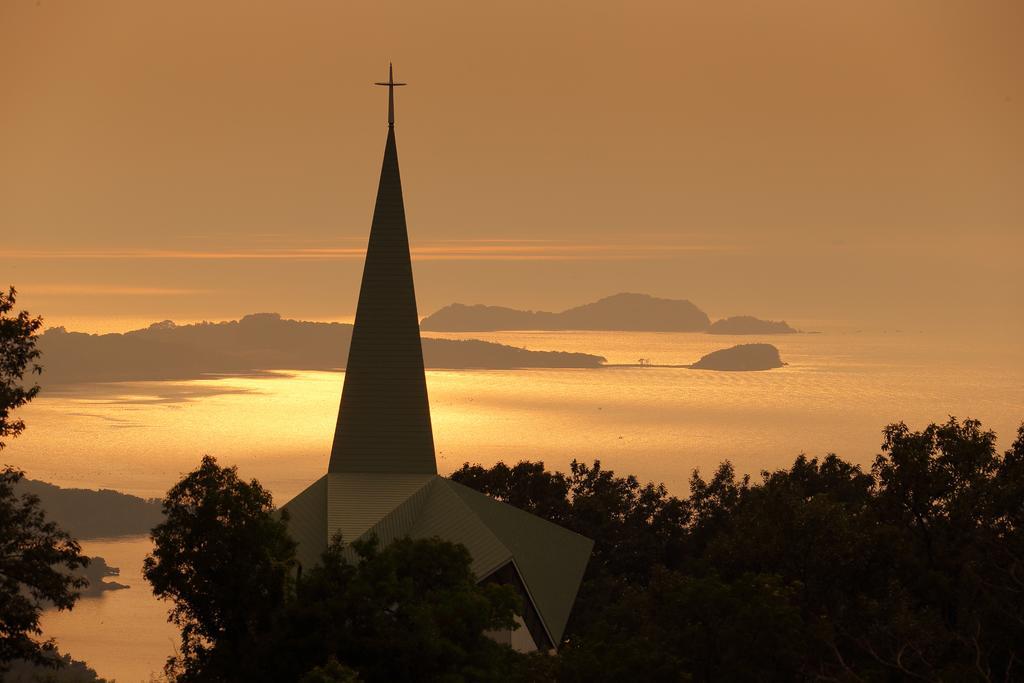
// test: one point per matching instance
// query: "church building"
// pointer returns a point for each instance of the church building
(382, 478)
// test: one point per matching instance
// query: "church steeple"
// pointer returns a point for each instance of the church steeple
(384, 419)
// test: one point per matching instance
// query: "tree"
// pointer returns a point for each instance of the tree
(223, 558)
(681, 627)
(409, 611)
(955, 507)
(33, 551)
(65, 670)
(823, 571)
(331, 672)
(527, 486)
(18, 353)
(634, 526)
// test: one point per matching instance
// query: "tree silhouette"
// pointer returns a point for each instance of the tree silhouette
(35, 555)
(223, 558)
(822, 571)
(331, 672)
(18, 353)
(410, 611)
(35, 560)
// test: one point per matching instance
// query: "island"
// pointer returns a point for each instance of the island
(95, 573)
(748, 324)
(255, 344)
(622, 312)
(741, 358)
(87, 513)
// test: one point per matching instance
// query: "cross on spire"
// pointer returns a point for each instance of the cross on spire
(391, 95)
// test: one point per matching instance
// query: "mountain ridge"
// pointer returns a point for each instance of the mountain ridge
(622, 312)
(625, 311)
(255, 343)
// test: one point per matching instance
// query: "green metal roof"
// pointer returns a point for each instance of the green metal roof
(550, 560)
(357, 501)
(307, 522)
(384, 418)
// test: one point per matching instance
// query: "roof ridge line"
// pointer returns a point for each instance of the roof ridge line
(490, 530)
(519, 572)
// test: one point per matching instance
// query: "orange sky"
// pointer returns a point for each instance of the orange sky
(806, 159)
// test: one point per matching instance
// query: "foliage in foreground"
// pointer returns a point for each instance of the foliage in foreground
(37, 558)
(223, 559)
(411, 611)
(18, 355)
(914, 570)
(36, 564)
(63, 669)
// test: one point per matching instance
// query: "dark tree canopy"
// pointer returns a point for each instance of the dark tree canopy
(36, 561)
(36, 557)
(18, 353)
(914, 570)
(63, 669)
(910, 570)
(331, 672)
(411, 611)
(635, 526)
(223, 558)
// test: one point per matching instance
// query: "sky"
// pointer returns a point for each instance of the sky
(821, 161)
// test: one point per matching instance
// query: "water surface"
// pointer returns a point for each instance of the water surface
(838, 391)
(123, 634)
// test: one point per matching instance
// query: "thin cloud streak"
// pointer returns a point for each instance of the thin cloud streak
(72, 289)
(471, 252)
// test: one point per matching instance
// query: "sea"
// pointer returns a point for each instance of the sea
(840, 387)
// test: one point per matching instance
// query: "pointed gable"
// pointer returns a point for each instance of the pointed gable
(550, 559)
(384, 419)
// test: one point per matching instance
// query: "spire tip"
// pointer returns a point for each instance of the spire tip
(391, 94)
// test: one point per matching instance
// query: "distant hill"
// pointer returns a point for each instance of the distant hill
(258, 342)
(87, 513)
(626, 312)
(743, 357)
(748, 324)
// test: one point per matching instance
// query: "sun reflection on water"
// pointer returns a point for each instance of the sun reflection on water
(659, 423)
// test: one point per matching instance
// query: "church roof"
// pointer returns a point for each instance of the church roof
(382, 477)
(384, 419)
(549, 559)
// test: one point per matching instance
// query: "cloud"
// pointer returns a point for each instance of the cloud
(81, 289)
(448, 250)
